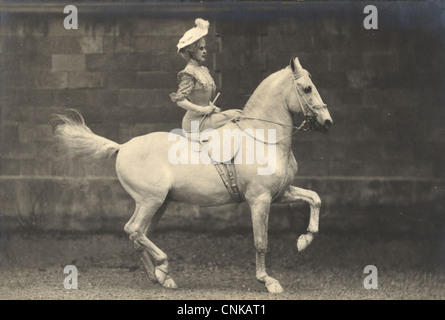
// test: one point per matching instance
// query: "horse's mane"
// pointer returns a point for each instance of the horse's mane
(257, 97)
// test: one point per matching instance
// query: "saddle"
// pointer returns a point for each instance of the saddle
(222, 154)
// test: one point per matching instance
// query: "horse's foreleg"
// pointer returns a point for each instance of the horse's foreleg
(260, 207)
(137, 228)
(294, 194)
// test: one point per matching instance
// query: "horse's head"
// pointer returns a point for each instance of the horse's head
(306, 99)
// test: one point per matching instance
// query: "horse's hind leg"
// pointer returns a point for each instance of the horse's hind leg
(294, 194)
(137, 227)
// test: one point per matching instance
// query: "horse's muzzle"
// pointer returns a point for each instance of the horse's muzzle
(323, 127)
(327, 124)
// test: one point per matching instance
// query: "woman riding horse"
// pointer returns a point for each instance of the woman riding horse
(145, 170)
(196, 86)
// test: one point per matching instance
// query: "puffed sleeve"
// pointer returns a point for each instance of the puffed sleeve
(185, 87)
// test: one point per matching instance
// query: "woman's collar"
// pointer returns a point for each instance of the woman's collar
(194, 62)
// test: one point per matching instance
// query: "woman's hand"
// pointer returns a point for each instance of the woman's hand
(206, 110)
(215, 108)
(211, 108)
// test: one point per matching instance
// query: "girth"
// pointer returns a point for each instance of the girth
(227, 173)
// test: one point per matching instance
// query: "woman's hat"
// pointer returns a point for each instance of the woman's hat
(194, 34)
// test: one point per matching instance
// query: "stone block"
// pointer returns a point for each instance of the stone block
(9, 135)
(317, 167)
(157, 80)
(162, 27)
(35, 167)
(17, 80)
(69, 98)
(68, 62)
(121, 44)
(30, 133)
(88, 27)
(402, 97)
(27, 96)
(9, 167)
(352, 167)
(381, 62)
(19, 45)
(346, 98)
(119, 80)
(158, 44)
(9, 62)
(129, 131)
(34, 62)
(119, 62)
(58, 45)
(160, 62)
(101, 99)
(285, 44)
(52, 80)
(105, 129)
(152, 98)
(342, 62)
(331, 80)
(133, 114)
(90, 45)
(44, 114)
(85, 80)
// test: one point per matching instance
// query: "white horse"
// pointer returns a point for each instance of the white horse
(147, 173)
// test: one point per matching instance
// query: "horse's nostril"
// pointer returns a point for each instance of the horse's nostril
(327, 124)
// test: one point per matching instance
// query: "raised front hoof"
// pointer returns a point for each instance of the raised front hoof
(304, 241)
(273, 286)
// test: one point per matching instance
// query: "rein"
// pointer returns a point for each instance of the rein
(297, 128)
(307, 118)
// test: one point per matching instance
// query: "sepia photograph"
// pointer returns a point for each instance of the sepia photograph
(222, 154)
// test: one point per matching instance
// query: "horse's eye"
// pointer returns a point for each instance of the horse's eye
(308, 89)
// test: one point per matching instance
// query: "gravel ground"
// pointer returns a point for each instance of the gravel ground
(220, 266)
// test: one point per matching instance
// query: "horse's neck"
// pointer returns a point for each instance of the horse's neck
(268, 103)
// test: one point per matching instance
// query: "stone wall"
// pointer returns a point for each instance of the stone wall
(384, 89)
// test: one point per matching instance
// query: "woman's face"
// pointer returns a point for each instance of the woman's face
(200, 52)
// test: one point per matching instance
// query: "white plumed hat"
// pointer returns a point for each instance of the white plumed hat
(194, 34)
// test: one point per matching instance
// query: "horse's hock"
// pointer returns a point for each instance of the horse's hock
(382, 161)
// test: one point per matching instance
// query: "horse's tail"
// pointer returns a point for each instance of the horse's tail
(76, 147)
(75, 140)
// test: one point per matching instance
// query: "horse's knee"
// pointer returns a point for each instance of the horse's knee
(261, 245)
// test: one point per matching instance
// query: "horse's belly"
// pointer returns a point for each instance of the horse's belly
(198, 184)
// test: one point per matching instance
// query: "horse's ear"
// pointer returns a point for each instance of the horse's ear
(295, 65)
(292, 63)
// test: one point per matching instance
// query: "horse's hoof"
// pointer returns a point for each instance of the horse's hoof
(274, 287)
(169, 283)
(304, 241)
(160, 276)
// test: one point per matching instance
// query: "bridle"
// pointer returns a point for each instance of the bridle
(305, 107)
